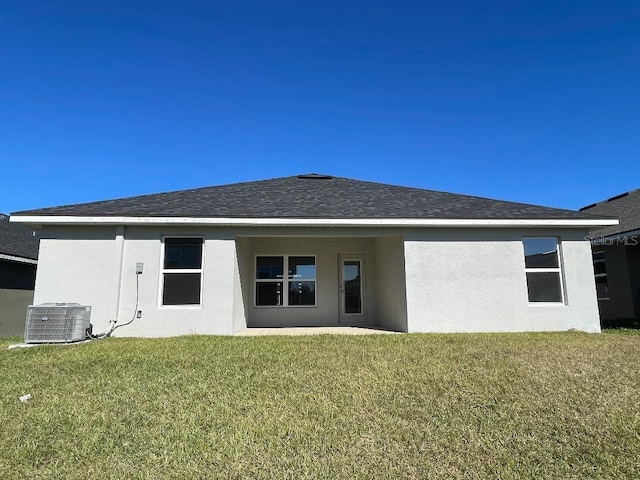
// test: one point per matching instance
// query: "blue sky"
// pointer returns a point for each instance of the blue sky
(536, 102)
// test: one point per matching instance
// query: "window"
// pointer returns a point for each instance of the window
(269, 274)
(300, 281)
(600, 270)
(542, 267)
(182, 271)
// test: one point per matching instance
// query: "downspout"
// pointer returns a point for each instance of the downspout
(116, 283)
(117, 277)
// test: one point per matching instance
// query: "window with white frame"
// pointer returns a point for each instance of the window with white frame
(543, 269)
(600, 270)
(296, 289)
(182, 271)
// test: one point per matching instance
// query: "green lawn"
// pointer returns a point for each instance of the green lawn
(555, 405)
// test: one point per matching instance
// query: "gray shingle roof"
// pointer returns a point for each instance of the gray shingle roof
(625, 207)
(18, 240)
(311, 196)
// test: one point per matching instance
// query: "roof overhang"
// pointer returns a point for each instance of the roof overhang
(15, 258)
(314, 222)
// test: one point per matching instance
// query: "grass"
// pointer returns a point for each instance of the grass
(559, 405)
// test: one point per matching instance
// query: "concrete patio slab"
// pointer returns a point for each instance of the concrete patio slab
(250, 332)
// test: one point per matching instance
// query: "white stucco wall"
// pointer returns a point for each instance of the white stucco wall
(215, 314)
(470, 280)
(241, 284)
(464, 279)
(390, 282)
(78, 266)
(82, 265)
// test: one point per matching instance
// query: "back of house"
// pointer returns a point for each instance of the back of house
(317, 250)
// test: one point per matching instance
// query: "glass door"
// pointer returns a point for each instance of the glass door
(352, 289)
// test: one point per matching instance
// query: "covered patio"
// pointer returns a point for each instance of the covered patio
(297, 331)
(322, 282)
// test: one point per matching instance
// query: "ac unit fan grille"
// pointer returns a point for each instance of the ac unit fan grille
(56, 323)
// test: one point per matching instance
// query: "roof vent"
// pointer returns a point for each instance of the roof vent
(617, 197)
(315, 176)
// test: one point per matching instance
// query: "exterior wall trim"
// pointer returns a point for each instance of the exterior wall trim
(314, 222)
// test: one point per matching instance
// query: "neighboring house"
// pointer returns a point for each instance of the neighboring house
(18, 260)
(616, 257)
(316, 250)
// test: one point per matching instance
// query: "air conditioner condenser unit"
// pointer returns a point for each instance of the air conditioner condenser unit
(57, 323)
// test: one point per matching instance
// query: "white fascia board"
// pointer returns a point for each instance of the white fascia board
(312, 222)
(13, 258)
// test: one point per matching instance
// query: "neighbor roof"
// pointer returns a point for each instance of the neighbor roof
(310, 196)
(18, 240)
(625, 207)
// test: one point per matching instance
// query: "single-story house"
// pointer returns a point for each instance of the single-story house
(317, 250)
(18, 260)
(616, 257)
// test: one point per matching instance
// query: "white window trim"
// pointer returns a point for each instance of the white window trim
(163, 270)
(558, 270)
(285, 280)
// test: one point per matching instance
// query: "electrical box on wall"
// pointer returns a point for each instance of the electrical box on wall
(139, 267)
